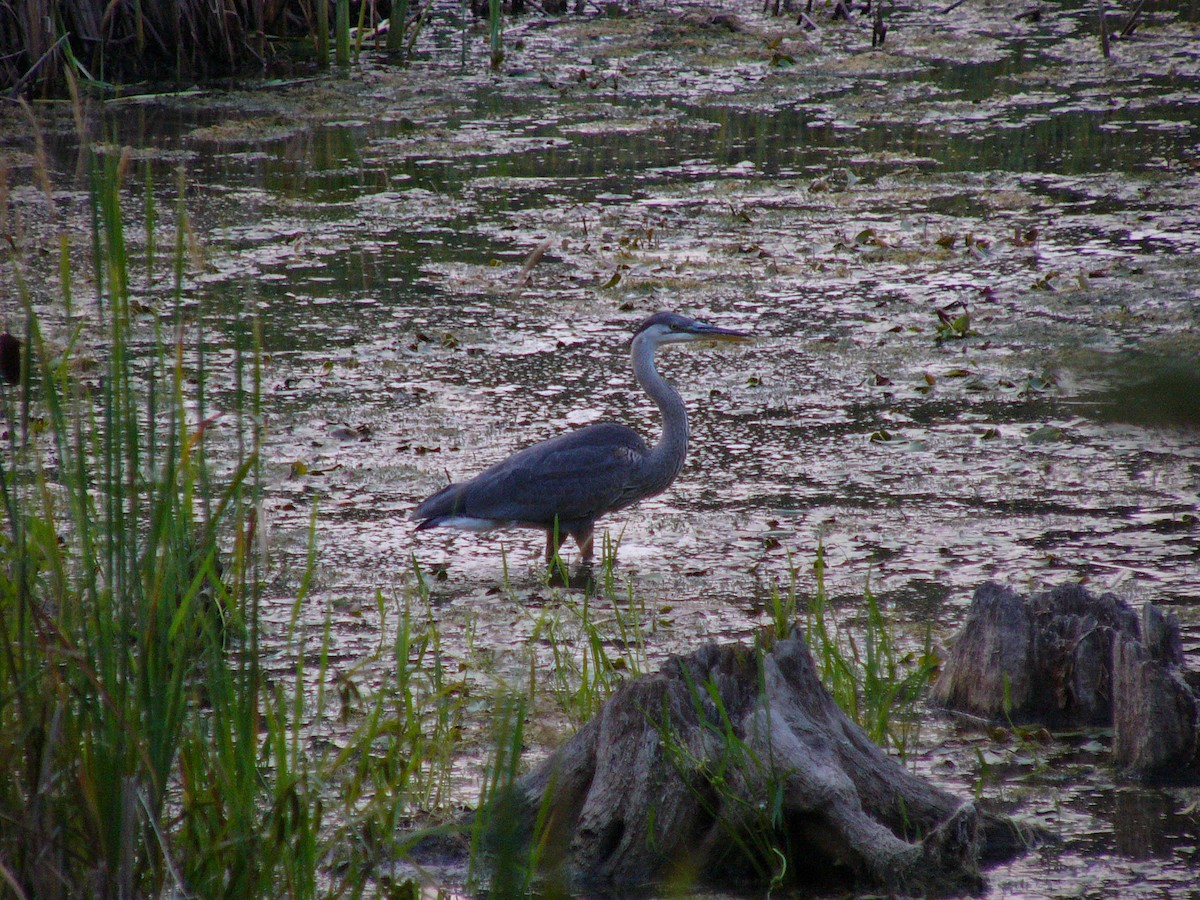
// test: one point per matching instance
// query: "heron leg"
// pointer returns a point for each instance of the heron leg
(582, 533)
(559, 575)
(583, 538)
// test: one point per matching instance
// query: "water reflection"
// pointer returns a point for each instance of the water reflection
(1150, 389)
(1138, 818)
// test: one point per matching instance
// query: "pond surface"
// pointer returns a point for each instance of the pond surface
(831, 199)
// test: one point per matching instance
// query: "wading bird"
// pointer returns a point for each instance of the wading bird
(564, 484)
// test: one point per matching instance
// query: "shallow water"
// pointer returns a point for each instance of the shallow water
(833, 204)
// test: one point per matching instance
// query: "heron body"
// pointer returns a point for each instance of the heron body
(564, 484)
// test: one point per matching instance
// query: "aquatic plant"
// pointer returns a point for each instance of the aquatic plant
(106, 45)
(341, 30)
(500, 856)
(496, 33)
(133, 699)
(590, 656)
(321, 35)
(870, 677)
(396, 742)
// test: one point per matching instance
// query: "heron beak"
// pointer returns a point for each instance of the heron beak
(712, 334)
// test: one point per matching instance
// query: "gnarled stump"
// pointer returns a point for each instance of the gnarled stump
(733, 765)
(1065, 657)
(1047, 658)
(1156, 713)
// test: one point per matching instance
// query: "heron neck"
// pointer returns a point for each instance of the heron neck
(667, 456)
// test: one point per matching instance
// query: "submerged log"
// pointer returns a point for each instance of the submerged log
(734, 765)
(1064, 658)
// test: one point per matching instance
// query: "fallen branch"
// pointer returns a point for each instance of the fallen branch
(1105, 48)
(530, 261)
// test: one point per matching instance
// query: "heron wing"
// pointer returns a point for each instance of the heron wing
(574, 477)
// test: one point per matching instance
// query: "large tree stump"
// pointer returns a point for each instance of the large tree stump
(735, 765)
(1067, 658)
(1045, 659)
(1156, 712)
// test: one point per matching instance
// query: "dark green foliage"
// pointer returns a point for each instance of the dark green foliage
(132, 706)
(109, 44)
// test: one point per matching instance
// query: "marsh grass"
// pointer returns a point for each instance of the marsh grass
(341, 31)
(134, 707)
(502, 858)
(321, 35)
(397, 26)
(596, 639)
(754, 827)
(583, 672)
(874, 680)
(105, 44)
(496, 33)
(397, 743)
(109, 46)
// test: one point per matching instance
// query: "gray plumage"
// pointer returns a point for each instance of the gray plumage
(564, 484)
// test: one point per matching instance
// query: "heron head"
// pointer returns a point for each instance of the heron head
(672, 328)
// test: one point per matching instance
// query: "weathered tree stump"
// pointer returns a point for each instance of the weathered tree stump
(1156, 712)
(733, 765)
(1065, 657)
(1042, 659)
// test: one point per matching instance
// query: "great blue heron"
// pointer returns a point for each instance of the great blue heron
(564, 484)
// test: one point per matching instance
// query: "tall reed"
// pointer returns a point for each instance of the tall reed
(132, 704)
(496, 32)
(397, 25)
(875, 681)
(108, 44)
(322, 33)
(341, 30)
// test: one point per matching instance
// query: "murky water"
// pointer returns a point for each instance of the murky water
(833, 204)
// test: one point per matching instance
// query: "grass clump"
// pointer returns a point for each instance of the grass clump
(397, 743)
(595, 642)
(757, 838)
(875, 682)
(147, 750)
